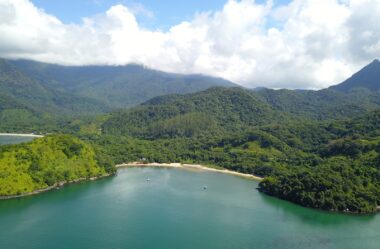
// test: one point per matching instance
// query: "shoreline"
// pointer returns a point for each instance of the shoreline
(131, 165)
(20, 135)
(188, 166)
(55, 186)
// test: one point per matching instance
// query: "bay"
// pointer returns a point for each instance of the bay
(172, 210)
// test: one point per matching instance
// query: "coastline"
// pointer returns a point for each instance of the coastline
(55, 186)
(131, 165)
(188, 166)
(20, 135)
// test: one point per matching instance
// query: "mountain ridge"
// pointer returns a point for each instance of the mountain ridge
(368, 77)
(118, 86)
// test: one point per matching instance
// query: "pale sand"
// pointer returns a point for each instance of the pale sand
(20, 135)
(188, 166)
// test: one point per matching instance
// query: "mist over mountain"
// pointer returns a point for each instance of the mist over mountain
(116, 86)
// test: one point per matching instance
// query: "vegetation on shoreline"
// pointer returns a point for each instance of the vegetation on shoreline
(45, 162)
(330, 165)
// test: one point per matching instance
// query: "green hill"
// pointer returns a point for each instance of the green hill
(313, 154)
(346, 176)
(219, 110)
(323, 104)
(117, 86)
(215, 110)
(41, 98)
(45, 162)
(27, 105)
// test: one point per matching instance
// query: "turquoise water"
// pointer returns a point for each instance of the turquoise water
(172, 211)
(14, 139)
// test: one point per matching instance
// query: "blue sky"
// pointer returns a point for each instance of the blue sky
(152, 14)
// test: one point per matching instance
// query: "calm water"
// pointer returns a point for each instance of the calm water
(172, 211)
(14, 139)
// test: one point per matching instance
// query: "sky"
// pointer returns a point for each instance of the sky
(295, 44)
(152, 14)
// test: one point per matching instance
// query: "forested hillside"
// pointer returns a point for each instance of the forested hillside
(27, 105)
(38, 97)
(215, 111)
(331, 165)
(44, 162)
(307, 145)
(116, 86)
(220, 110)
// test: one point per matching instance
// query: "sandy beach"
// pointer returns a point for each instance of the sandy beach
(188, 166)
(20, 135)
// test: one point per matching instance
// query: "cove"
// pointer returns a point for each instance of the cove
(173, 211)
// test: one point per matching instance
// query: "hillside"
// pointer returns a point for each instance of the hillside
(38, 97)
(330, 165)
(281, 135)
(212, 111)
(45, 162)
(27, 105)
(326, 104)
(368, 77)
(346, 176)
(117, 86)
(235, 109)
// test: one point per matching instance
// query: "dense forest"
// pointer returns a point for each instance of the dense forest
(47, 161)
(325, 163)
(319, 149)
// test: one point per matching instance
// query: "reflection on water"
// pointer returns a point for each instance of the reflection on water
(313, 216)
(173, 211)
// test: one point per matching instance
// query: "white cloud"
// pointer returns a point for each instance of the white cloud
(305, 44)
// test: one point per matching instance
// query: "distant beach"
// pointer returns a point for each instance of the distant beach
(188, 166)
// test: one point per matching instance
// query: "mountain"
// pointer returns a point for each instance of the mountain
(321, 105)
(26, 103)
(117, 86)
(329, 164)
(210, 111)
(219, 110)
(368, 77)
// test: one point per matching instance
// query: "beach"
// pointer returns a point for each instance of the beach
(188, 166)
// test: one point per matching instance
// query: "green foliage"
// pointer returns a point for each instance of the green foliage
(116, 86)
(314, 148)
(338, 184)
(46, 161)
(331, 165)
(219, 109)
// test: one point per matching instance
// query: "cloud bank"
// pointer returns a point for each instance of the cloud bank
(307, 44)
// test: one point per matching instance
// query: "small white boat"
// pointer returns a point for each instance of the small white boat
(147, 179)
(204, 187)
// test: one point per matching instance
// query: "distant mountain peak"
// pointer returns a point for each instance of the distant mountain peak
(368, 78)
